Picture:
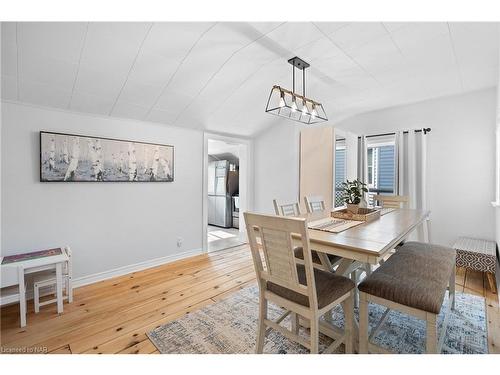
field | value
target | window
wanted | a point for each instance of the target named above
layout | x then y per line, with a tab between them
381	165
340	169
372	167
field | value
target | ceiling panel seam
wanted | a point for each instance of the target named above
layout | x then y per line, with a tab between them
84	42
347	54
222	66
178	67
455	56
131	68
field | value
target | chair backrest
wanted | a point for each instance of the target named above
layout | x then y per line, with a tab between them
314	204
392	201
274	234
288	209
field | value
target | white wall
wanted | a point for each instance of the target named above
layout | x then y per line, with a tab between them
276	161
461	151
108	225
277	164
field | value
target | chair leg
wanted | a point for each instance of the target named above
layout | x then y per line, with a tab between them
348	307
69	289
452	287
314	329
363	323
431	341
261	330
36	298
295	323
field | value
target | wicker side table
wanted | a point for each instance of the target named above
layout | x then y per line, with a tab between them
478	255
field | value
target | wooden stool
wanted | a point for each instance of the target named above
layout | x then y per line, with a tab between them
478	255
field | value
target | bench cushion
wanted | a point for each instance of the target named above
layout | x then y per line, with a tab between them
417	276
329	287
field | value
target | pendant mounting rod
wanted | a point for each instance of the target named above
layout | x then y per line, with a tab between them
300	64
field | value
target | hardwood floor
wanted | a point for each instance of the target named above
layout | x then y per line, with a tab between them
113	316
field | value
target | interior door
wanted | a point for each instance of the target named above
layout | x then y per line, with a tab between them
316	164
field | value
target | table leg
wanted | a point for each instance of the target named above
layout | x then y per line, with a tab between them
354	278
344	267
59	288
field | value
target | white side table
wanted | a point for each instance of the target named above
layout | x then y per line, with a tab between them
36	265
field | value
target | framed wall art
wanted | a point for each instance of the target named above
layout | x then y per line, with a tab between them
78	158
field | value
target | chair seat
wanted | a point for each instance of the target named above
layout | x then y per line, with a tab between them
299	253
417	276
329	287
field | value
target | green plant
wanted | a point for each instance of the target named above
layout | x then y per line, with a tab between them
352	191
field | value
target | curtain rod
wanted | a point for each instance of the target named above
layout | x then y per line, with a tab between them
425	130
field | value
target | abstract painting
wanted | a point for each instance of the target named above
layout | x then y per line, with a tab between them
76	158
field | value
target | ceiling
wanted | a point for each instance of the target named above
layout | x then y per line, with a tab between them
217	76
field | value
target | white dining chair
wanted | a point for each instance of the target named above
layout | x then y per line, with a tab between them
286	209
299	289
392	201
314	204
13	289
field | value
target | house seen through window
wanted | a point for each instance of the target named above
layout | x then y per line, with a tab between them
381	165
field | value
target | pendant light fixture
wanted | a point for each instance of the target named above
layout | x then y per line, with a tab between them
289	104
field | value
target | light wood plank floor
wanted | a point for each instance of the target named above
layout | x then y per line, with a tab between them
113	316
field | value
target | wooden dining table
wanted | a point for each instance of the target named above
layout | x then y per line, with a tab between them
367	243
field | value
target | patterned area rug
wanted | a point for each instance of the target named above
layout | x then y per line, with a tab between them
229	327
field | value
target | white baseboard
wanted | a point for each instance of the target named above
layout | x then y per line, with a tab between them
120	271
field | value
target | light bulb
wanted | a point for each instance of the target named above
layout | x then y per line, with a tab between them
304	108
314	113
294	105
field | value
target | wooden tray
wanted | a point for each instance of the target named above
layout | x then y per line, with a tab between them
364	214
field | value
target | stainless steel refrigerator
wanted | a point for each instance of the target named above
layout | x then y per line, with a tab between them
222	185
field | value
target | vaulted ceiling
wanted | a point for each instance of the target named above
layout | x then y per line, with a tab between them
217	76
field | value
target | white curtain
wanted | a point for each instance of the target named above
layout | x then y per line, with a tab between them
411	172
363	163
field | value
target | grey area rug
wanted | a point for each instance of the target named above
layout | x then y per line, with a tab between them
229	327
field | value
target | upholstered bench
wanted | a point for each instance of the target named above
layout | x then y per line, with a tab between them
478	255
413	281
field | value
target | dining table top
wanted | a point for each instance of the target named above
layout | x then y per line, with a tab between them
368	241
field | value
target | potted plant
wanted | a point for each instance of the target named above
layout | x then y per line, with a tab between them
352	193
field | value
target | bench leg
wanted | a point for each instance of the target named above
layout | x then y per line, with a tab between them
431	341
348	307
363	323
492	282
295	322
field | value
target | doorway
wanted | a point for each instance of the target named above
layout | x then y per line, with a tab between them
225	192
